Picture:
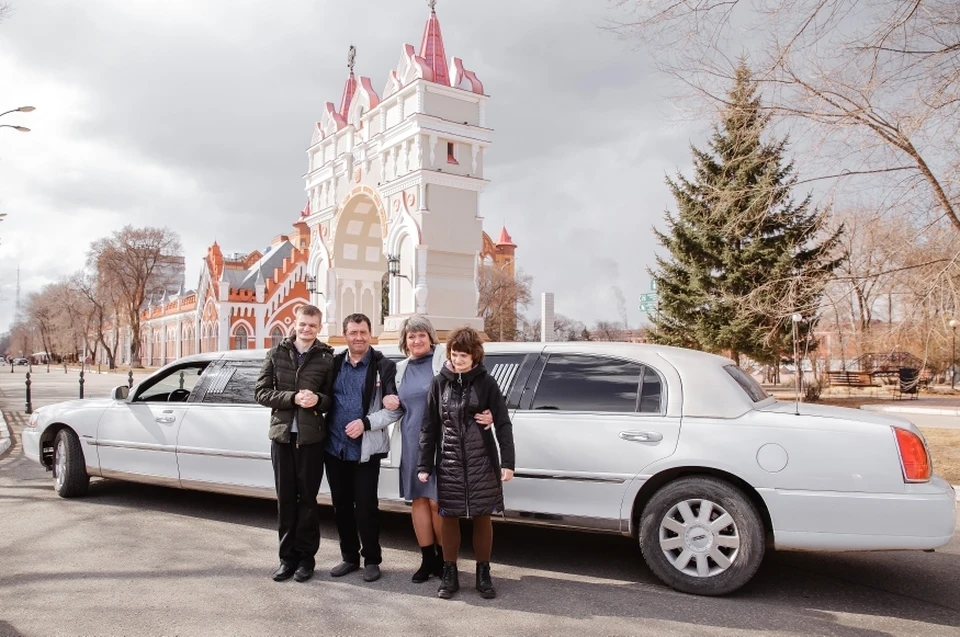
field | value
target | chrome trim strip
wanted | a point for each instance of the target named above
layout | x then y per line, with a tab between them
600	525
223	453
139	477
139	446
230	489
569	478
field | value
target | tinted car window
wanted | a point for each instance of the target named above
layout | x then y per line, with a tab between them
577	382
651	393
231	382
747	383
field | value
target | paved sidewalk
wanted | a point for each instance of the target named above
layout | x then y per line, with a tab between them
933	411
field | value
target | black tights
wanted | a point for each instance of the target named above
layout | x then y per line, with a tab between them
482	538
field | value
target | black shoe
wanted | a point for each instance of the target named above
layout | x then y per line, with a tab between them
427	565
304	572
344	568
450	583
284	572
484	583
371	572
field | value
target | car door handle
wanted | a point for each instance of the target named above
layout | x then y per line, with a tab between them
166	417
641	436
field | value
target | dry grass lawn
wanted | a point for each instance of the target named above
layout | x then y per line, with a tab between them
945	448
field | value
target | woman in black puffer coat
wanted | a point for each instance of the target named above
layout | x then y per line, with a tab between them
470	470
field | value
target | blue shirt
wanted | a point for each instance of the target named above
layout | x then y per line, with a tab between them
347	407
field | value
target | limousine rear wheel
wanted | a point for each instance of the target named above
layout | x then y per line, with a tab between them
702	535
70	477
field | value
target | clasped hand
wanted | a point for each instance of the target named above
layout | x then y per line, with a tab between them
306	398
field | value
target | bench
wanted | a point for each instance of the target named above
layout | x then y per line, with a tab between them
850	379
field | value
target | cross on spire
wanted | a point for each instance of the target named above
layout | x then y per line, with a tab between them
352	56
433	5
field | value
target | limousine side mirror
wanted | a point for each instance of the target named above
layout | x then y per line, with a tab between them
120	393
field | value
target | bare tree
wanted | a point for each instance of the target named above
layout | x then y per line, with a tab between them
608	331
878	83
502	297
138	262
5	11
42	314
105	307
564	329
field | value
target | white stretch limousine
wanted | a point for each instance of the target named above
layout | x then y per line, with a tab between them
679	449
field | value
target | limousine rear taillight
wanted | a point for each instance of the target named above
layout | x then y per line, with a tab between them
914	457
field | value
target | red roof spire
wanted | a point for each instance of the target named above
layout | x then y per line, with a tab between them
505	239
431	48
351	86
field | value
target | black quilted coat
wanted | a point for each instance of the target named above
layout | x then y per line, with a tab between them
462	452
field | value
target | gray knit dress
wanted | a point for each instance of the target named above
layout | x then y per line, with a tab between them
413	397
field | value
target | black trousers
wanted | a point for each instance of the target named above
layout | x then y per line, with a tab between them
356	506
297	473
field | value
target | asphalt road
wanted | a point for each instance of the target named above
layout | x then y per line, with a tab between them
139	560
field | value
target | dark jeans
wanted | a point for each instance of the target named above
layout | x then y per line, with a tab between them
297	473
353	489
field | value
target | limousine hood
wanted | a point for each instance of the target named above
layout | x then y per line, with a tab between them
49	412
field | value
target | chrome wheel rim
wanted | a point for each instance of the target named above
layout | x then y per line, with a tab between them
699	538
60	464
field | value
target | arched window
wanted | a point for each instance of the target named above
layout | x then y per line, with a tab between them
240	340
276	336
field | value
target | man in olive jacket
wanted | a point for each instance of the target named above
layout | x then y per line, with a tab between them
295	382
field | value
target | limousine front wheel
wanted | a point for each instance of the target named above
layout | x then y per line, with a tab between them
70	477
702	535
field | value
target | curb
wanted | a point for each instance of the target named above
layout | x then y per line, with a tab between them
927	411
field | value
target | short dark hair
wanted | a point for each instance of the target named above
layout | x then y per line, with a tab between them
309	310
468	341
357	318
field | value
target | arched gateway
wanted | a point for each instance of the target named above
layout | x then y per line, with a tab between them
397	179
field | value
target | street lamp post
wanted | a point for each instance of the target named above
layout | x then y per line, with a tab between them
22	109
953	353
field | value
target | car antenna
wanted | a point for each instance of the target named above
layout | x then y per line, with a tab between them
796	360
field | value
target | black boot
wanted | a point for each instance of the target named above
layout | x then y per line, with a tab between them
427	565
484	583
450	583
438	562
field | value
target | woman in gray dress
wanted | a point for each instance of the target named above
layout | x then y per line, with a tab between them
425	358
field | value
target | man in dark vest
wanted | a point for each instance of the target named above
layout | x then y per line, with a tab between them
295	382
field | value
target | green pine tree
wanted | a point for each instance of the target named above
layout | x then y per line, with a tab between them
743	257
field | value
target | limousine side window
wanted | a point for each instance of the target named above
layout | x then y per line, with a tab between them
580	382
230	383
174	387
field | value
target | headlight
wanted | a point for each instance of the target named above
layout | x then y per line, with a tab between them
34	418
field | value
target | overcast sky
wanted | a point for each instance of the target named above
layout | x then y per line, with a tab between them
196	114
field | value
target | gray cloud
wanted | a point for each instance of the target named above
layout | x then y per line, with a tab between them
196	116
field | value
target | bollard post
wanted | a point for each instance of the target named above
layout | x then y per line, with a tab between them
64	367
130	379
181	379
81	384
29	408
